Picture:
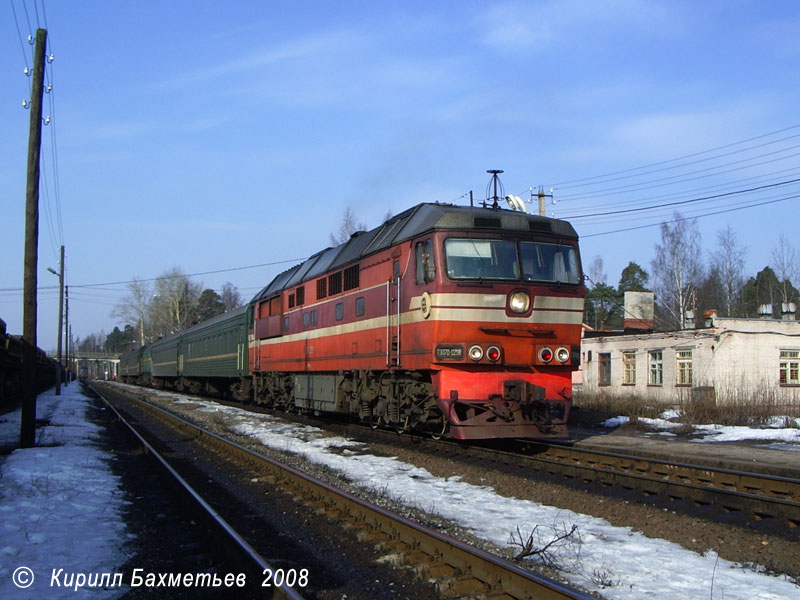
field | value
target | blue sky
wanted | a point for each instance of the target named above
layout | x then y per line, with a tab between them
213	136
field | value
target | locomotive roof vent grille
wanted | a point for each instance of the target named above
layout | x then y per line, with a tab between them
487	222
541	226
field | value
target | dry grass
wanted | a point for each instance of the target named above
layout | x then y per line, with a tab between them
730	405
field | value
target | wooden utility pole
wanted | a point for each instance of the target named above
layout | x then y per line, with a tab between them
28	424
68	331
60	318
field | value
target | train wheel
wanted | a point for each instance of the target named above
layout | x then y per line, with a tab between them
436	424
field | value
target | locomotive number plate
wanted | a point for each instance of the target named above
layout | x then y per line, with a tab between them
449	352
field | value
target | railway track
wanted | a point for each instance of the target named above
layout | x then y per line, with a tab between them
239	551
760	500
459	569
753	496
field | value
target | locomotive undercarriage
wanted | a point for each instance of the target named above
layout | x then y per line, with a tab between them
523	410
403	400
218	387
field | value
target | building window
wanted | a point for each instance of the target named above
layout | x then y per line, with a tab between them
603	368
360	306
629	368
683	367
656	374
790	367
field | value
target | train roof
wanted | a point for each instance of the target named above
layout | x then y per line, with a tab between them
228	314
407	225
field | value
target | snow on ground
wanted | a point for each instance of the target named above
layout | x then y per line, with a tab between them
60	504
60	508
636	566
784	430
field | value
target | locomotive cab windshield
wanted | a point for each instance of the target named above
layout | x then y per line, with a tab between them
509	260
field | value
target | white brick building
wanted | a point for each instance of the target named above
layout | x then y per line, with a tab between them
741	359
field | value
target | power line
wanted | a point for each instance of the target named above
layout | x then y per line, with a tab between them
645	185
728	185
690	201
719	212
94	285
671	160
19	34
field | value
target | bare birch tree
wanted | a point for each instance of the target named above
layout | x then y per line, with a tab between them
133	308
170	308
785	264
230	296
728	260
677	270
349	225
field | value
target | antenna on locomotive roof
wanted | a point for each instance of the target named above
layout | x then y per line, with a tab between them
494	183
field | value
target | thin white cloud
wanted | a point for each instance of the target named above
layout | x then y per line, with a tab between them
315	47
511	26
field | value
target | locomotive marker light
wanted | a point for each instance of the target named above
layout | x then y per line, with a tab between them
545	355
519	302
493	353
562	355
476	353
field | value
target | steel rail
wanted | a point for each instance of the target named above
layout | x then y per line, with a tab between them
251	561
468	570
764	496
753	496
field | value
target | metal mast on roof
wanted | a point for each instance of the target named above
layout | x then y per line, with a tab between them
494	183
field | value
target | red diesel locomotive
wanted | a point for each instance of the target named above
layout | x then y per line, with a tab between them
461	321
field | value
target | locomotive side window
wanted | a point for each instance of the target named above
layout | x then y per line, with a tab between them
426	268
481	259
334	283
275	305
549	262
351	278
360	306
339	311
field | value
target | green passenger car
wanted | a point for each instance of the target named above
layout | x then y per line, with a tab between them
210	357
165	355
216	348
135	366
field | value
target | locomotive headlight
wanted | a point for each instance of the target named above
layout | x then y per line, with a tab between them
519	302
562	355
475	353
545	355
